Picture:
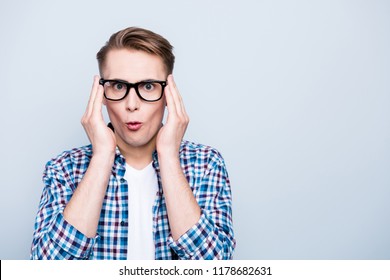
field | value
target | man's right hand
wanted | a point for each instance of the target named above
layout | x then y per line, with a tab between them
101	137
83	209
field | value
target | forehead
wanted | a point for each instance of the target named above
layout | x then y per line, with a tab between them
133	66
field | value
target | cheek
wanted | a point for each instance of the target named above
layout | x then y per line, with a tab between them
163	106
161	110
164	100
157	115
113	112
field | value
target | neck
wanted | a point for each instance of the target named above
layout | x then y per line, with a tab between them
138	157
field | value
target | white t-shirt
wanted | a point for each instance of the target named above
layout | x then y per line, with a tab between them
143	187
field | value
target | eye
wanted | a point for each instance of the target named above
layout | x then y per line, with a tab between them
148	86
118	86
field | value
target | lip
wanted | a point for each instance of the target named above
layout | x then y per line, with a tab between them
134	126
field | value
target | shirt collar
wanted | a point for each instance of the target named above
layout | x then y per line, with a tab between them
119	166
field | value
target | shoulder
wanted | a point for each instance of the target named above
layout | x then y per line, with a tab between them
200	153
78	156
67	169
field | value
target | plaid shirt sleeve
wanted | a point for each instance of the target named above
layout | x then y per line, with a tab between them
53	237
212	236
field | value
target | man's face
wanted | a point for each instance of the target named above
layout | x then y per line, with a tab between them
136	122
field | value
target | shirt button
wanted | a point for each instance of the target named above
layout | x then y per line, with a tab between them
122	223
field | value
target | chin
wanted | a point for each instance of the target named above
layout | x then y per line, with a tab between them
136	143
136	140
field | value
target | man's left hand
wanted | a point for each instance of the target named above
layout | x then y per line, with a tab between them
171	134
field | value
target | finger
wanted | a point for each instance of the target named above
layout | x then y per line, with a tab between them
174	94
170	102
98	103
92	96
176	97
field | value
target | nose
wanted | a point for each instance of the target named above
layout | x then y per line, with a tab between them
132	101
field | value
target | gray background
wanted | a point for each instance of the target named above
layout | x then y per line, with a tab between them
295	95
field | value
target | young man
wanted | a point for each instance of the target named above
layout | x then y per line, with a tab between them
138	191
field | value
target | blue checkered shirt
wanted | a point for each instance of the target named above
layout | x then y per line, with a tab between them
210	238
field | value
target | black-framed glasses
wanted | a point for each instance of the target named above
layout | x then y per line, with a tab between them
149	90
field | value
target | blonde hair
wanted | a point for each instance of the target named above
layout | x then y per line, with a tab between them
136	38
